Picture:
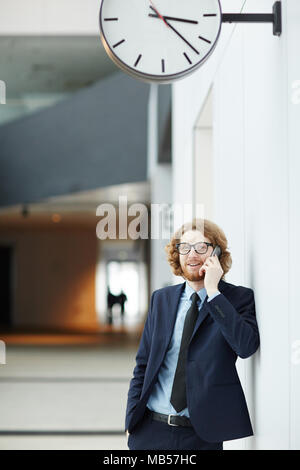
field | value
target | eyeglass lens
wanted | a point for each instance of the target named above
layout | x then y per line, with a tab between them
184	248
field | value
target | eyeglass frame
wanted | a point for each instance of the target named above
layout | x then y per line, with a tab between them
193	246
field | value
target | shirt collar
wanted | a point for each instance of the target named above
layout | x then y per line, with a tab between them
189	291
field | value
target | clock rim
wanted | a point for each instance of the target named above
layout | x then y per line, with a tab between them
149	77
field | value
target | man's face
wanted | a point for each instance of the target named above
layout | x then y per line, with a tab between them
192	262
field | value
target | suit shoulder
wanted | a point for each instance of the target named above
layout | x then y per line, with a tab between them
166	289
246	290
233	288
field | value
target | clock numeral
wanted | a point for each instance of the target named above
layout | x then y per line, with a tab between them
137	60
111	19
187	57
163	65
210	14
118	43
203	39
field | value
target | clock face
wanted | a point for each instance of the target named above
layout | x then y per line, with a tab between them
159	40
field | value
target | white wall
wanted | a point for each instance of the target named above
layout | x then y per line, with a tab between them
160	176
203	161
189	96
256	145
292	23
161	193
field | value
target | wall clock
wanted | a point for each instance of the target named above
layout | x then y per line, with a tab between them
165	40
159	40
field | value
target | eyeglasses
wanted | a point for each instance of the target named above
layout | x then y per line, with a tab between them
200	248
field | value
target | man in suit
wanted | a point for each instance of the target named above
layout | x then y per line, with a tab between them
185	392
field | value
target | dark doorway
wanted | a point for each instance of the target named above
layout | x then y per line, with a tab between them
6	253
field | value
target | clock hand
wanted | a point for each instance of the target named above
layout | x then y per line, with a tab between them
174	19
157	12
177	32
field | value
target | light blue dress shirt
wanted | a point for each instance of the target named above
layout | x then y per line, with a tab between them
159	399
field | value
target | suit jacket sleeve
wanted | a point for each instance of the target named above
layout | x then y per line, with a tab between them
237	324
136	383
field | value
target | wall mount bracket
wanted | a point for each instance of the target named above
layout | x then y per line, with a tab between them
275	18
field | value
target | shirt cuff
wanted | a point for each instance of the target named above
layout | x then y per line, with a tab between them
213	296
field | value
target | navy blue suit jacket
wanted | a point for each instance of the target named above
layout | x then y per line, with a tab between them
226	328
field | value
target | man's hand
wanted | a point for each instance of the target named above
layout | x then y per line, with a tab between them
213	273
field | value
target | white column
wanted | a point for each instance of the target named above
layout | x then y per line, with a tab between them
256	120
160	176
290	313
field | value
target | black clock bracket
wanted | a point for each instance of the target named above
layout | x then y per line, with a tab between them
274	18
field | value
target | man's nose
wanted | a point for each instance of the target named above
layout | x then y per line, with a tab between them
191	252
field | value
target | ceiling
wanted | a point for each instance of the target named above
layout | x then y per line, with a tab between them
41	70
81	204
38	72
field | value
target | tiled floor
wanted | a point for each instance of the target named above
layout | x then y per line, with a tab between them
74	385
63	443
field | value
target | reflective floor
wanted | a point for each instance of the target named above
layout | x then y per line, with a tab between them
66	391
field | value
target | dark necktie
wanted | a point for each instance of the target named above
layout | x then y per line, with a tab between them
178	395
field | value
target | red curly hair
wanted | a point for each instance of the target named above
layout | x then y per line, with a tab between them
211	231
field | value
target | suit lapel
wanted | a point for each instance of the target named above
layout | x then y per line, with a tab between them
201	317
173	298
204	309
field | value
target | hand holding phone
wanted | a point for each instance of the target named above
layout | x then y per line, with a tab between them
216	251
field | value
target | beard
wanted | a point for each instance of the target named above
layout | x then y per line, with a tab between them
193	277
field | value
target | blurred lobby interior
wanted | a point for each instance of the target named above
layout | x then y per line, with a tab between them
74	137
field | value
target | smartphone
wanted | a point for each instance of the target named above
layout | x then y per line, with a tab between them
217	251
